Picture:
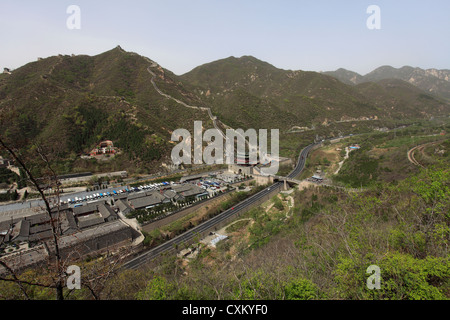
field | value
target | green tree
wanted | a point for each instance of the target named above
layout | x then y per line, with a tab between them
403	277
157	289
301	289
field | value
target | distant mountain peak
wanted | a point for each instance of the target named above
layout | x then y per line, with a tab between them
116	50
433	81
344	75
249	58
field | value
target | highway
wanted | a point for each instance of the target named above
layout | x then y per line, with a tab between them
186	237
301	161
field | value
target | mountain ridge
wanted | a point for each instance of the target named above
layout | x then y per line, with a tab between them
296	97
432	80
69	103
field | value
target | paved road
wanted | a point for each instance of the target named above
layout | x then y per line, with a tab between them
301	161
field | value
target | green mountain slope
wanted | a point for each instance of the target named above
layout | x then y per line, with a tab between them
248	92
433	81
68	104
399	98
345	76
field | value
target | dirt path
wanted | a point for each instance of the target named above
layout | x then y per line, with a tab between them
347	151
291	203
269	207
223	230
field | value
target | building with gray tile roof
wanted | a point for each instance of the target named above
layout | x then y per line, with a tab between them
120	196
123	206
194	177
187	190
107	212
181	187
173	196
152	199
136	195
21	231
90	220
38	227
86	209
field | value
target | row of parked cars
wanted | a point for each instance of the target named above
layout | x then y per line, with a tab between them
152	186
206	184
95	196
79	200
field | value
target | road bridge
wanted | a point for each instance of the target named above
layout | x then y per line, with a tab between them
286	181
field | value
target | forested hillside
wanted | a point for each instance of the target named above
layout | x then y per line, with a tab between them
317	242
66	105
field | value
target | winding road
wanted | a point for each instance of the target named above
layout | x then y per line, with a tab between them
411	152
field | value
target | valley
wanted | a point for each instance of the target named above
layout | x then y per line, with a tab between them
364	181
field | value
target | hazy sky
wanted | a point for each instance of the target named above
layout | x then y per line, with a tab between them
313	35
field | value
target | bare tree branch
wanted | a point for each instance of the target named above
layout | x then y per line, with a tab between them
60	272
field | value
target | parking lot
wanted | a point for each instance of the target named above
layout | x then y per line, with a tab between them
107	194
211	184
75	199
